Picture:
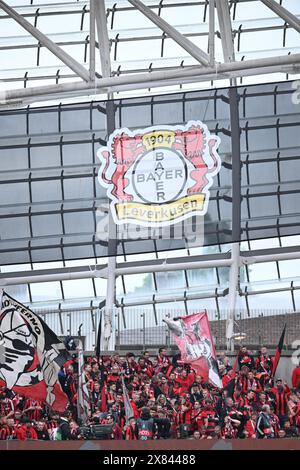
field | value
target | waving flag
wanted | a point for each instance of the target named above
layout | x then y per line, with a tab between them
278	351
83	399
194	340
127	405
31	355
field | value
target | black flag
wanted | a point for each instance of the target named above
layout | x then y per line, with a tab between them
278	351
98	345
31	355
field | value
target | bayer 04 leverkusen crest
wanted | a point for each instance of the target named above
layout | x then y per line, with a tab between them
159	175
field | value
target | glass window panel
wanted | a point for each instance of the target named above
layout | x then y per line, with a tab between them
290	136
79	121
76	188
9	124
45	156
289	268
77	154
167	281
200	277
48	224
13	158
119	286
45	291
50	24
86	223
43	122
276	302
19	292
100	285
139	284
46	190
262	271
77	288
14	193
136	116
268	40
263	173
17	227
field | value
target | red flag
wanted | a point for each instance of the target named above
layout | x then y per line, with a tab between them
278	351
31	355
194	340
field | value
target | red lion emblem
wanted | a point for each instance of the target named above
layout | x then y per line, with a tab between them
125	150
191	144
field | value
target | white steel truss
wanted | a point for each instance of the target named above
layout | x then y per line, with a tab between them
107	80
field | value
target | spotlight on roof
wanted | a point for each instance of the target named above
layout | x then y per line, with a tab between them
239	336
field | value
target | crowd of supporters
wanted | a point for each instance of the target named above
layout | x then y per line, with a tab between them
164	399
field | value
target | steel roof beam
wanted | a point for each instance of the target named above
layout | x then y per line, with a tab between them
45	41
103	40
285	14
153	79
92	42
188	263
225	30
185	43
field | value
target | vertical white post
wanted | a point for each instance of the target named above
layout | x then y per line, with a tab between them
108	330
92	50
233	290
211	35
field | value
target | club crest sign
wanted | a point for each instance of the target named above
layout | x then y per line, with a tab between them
160	175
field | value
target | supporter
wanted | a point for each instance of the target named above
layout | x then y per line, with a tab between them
245	358
162	360
196	394
130	431
196	435
64	426
146	357
167	399
41	431
250	426
290	431
26	430
281	394
296	377
33	409
147	426
264	425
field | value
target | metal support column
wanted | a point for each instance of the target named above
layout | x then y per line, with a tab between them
92	48
109	336
103	40
234	276
211	35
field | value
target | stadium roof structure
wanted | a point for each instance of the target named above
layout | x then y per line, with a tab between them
71	49
81	57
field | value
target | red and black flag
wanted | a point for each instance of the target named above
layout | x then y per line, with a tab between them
278	351
31	355
194	340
